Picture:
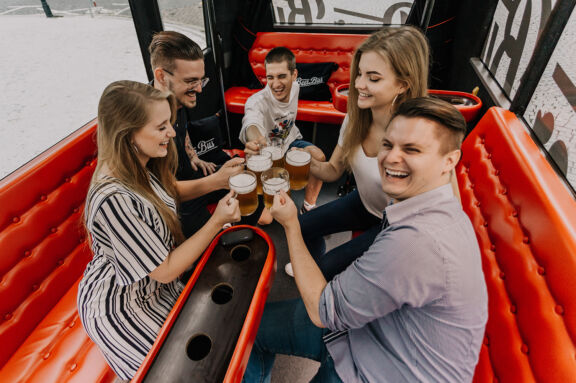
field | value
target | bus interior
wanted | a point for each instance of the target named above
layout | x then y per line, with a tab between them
501	63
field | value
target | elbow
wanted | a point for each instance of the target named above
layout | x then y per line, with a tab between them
163	274
317	322
165	279
315	318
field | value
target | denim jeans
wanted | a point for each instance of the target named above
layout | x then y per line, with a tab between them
343	214
286	329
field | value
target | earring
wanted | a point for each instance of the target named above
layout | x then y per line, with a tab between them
135	148
394	101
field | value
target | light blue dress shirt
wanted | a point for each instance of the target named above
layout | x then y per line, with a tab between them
414	306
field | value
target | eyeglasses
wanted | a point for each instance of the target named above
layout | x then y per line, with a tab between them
193	83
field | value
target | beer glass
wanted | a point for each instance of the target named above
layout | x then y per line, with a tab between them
258	163
298	165
275	146
274	180
244	185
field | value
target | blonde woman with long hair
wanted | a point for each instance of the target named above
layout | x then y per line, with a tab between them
388	68
131	284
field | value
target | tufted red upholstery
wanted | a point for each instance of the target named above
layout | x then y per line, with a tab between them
525	221
314	48
44	253
308	48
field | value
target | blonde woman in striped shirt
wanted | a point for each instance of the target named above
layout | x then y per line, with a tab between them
131	284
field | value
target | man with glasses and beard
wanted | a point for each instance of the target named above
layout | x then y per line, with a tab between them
178	66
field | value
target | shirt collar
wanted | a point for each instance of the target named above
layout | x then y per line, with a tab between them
399	210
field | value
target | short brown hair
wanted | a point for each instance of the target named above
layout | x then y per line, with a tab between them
279	55
441	112
167	46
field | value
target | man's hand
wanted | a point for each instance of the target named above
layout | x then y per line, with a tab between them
229	169
254	146
207	167
283	210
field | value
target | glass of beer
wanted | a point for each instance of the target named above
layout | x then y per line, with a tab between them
298	165
244	185
259	163
276	148
274	180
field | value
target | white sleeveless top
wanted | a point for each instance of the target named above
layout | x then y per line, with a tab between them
367	175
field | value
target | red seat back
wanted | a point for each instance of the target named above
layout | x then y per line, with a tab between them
525	221
42	239
308	48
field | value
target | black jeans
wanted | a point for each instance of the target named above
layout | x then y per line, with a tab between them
343	214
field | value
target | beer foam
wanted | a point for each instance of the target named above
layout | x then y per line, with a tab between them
274	185
243	183
297	157
258	163
274	151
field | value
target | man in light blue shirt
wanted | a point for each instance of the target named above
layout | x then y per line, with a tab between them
414	306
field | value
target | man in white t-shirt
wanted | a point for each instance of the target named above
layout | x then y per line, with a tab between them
272	113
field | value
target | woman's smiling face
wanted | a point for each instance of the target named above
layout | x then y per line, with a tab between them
376	82
151	141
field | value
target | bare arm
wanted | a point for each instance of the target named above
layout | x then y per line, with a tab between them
182	257
254	140
309	278
195	161
189	148
329	171
191	189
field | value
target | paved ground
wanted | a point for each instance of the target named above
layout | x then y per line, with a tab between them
173	11
55	69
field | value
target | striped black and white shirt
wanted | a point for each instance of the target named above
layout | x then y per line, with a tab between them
121	307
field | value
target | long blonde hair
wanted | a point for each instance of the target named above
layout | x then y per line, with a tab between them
122	111
406	50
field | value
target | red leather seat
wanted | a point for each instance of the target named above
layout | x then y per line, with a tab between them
58	350
44	253
525	221
317	48
308	48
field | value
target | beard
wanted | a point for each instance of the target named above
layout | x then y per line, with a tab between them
183	98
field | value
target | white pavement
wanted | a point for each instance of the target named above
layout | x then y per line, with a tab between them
53	73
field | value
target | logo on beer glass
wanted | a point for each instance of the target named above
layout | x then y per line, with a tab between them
275	146
298	165
259	163
274	180
244	185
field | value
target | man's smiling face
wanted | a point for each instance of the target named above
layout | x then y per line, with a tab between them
411	160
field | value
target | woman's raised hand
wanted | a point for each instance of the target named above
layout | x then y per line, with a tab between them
228	210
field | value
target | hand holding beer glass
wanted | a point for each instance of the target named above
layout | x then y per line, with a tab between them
274	180
298	165
258	163
275	146
244	185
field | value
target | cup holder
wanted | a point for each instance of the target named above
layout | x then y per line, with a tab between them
222	293
199	347
455	99
240	253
